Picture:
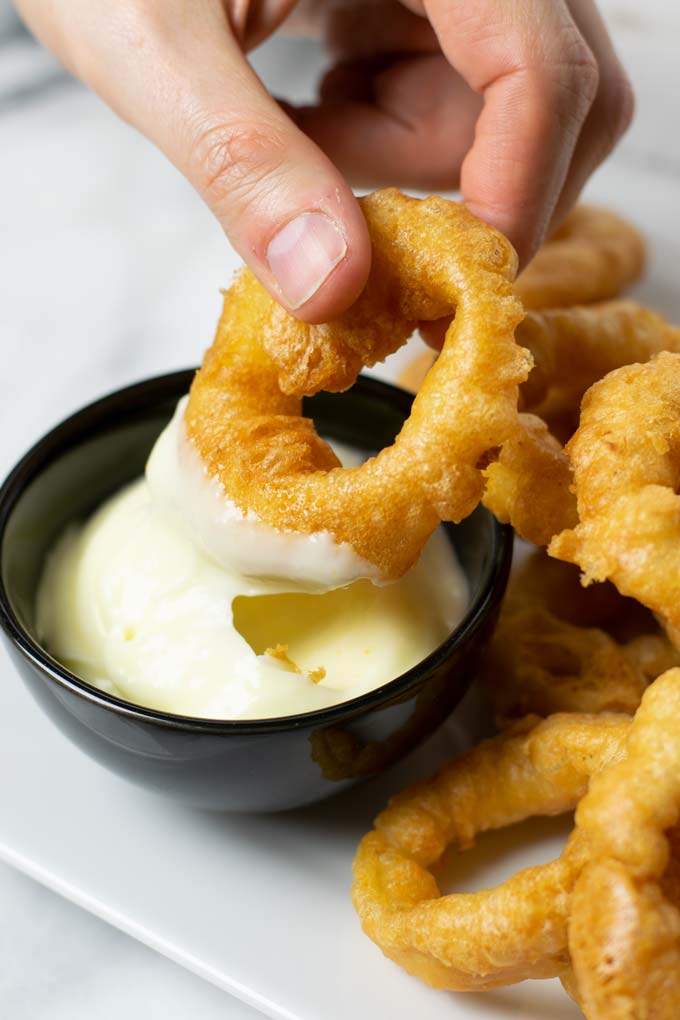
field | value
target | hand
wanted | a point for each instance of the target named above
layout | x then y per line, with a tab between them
516	101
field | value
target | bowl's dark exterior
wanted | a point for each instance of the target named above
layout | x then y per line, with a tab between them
238	766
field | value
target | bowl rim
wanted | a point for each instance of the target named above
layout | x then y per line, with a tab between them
57	440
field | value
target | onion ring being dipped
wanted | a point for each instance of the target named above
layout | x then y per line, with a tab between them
573	348
626	461
528	484
593	256
624	931
430	258
496	936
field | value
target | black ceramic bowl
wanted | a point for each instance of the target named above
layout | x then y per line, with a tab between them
253	765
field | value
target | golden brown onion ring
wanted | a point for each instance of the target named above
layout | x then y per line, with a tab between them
429	257
528	485
626	461
574	347
624	931
496	936
559	647
593	256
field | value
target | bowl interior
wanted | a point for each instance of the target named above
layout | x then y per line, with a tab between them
91	455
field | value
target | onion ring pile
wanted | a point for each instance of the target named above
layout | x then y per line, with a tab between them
624	929
626	461
529	483
497	936
605	915
593	256
244	411
547	919
559	647
575	347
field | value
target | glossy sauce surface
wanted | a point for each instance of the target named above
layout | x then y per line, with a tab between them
132	603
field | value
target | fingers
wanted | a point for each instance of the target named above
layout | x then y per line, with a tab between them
406	122
611	112
359	30
177	73
283	204
285	207
539	79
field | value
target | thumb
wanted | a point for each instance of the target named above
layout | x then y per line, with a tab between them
284	206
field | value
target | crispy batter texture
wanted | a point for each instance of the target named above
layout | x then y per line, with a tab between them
496	936
624	932
574	347
593	256
430	257
626	461
529	484
559	647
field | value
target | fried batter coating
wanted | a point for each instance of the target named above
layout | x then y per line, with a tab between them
559	647
593	256
624	931
248	429
496	936
529	484
626	461
574	347
427	257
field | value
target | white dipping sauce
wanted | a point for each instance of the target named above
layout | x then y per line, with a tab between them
133	604
238	541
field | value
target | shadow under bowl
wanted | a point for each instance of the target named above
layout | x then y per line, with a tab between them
250	765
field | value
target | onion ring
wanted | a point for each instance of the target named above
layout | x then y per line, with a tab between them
529	483
497	936
624	931
626	461
557	647
575	347
593	256
429	257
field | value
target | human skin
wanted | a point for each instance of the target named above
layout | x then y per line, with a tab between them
514	101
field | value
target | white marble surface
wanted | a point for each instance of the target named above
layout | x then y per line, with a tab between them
109	271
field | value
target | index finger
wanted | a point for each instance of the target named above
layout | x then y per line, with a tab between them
538	78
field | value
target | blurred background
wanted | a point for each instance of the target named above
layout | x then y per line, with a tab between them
110	270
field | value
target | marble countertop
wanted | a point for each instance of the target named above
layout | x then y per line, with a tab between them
111	269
